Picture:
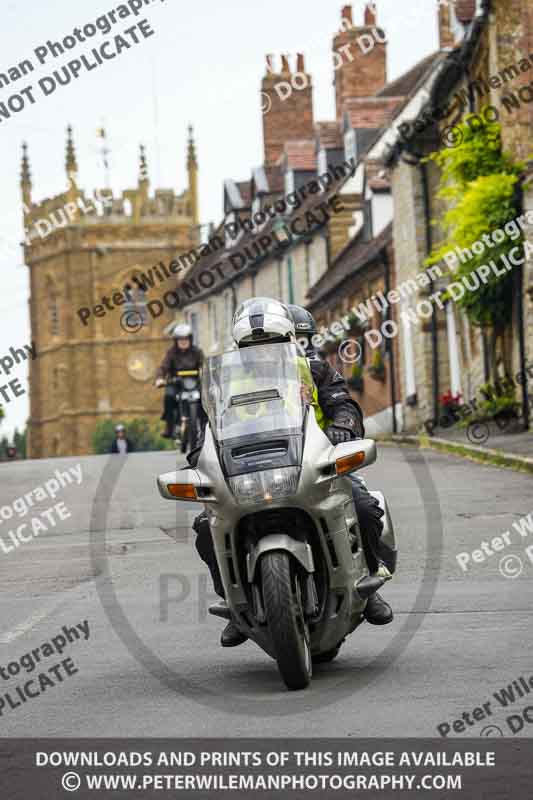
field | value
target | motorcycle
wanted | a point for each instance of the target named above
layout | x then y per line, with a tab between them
280	508
188	408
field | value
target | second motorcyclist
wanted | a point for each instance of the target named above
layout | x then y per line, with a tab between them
183	355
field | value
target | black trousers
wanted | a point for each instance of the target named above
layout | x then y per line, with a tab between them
169	404
368	512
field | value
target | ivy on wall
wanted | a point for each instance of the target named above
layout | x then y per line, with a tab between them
478	181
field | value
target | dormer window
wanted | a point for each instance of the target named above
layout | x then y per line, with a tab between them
232	230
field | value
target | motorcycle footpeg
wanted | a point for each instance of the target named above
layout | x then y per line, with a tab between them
220	610
369	585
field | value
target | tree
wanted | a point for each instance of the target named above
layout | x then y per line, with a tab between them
144	435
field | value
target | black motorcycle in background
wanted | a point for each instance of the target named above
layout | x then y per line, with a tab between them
188	419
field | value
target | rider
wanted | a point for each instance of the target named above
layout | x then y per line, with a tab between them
260	321
183	355
379	558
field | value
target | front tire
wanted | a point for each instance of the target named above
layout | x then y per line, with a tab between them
282	600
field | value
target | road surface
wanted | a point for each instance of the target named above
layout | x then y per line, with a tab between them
123	564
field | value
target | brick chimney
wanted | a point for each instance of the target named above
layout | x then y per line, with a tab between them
287	105
446	36
359	57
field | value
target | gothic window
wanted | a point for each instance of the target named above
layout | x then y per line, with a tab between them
53	308
136	302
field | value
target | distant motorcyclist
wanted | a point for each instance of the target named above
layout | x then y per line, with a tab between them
183	355
261	321
121	444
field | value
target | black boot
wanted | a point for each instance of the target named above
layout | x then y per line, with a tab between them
168	433
232	636
377	611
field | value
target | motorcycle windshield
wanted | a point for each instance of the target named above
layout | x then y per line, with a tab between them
256	390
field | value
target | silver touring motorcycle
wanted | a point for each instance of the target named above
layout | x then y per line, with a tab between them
280	508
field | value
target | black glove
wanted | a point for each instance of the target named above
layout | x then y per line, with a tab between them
337	435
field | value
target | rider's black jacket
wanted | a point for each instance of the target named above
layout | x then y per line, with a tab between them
177	359
333	397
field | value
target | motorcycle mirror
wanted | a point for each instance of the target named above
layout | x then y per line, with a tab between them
351	456
182	485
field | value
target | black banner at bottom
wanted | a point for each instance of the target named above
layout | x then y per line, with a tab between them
492	769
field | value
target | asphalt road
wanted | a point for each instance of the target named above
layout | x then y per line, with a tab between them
155	668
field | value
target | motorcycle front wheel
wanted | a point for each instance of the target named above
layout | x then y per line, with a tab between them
288	629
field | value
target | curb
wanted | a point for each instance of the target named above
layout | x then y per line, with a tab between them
485	455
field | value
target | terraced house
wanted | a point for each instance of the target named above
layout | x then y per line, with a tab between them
364	181
449	352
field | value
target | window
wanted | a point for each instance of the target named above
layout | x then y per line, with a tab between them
193	322
53	308
136	303
213	323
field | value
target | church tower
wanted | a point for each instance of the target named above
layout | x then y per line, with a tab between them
83	252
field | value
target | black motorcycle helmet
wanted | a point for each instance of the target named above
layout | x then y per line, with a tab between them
305	328
304	322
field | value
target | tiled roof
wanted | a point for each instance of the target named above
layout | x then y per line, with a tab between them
371	112
356	255
276	182
329	134
407	83
248	239
299	154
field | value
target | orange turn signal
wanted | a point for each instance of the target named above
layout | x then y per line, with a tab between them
182	491
349	463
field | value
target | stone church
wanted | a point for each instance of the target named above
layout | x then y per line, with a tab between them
83	251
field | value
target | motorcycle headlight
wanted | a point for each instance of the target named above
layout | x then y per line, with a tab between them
189	384
272	484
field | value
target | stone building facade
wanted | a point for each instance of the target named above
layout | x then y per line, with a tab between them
80	250
448	352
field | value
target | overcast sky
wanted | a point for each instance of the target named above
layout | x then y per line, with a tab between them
203	66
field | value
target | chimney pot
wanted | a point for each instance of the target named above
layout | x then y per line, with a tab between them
347	14
285	64
270	63
370	14
300	64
